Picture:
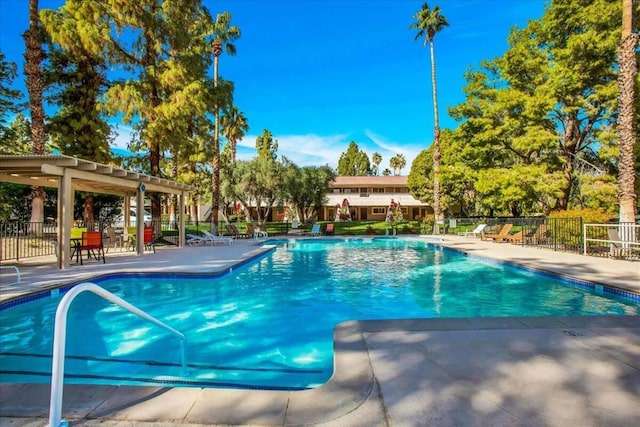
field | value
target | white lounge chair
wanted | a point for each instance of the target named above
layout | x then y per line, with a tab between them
216	240
475	232
193	240
622	248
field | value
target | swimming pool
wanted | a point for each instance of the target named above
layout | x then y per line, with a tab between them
269	323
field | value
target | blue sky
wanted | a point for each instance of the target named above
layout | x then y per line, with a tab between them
322	73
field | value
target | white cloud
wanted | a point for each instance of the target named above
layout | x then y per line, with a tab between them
123	137
311	149
318	150
303	150
388	149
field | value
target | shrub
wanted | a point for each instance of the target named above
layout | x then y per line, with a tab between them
597	216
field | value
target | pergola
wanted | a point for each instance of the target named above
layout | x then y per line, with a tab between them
70	174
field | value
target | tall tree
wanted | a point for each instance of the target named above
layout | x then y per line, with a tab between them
626	80
8	96
78	69
544	104
428	23
307	188
376	159
34	56
167	51
16	139
234	126
224	34
266	145
401	162
394	164
258	183
354	162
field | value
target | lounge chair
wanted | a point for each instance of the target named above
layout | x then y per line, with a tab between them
502	236
253	231
540	236
475	232
232	230
515	239
329	231
212	239
315	230
621	248
295	227
193	240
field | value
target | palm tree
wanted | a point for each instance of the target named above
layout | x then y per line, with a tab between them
394	163
402	162
428	23
234	125
225	33
34	54
376	159
626	135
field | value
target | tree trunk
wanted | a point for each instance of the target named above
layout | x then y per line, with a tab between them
626	135
436	146
34	55
215	159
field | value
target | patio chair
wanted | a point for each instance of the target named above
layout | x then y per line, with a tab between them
315	230
92	243
232	230
475	232
76	240
113	240
295	227
329	231
540	236
253	231
621	248
212	239
193	240
499	237
149	241
517	238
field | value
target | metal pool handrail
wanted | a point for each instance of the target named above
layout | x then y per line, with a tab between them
18	277
60	337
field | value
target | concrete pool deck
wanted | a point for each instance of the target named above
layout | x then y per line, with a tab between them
534	371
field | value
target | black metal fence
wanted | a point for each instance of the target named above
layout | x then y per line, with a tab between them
558	234
20	240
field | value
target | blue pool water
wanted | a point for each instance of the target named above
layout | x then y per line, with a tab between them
269	324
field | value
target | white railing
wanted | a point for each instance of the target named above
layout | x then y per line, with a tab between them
18	277
60	337
623	238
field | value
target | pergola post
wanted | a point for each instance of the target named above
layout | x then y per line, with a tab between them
65	219
140	219
181	233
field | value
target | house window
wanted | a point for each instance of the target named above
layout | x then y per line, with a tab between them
405	211
402	190
336	191
378	211
350	190
377	190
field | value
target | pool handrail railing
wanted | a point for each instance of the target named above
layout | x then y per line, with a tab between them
60	337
